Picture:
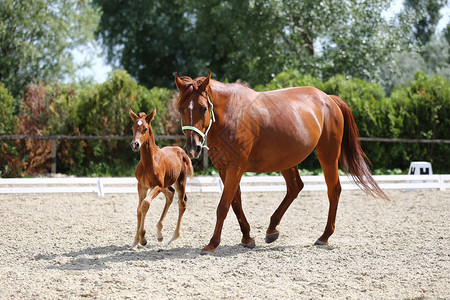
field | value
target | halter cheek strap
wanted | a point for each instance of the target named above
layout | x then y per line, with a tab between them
211	120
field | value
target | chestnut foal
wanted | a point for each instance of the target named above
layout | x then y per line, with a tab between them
157	170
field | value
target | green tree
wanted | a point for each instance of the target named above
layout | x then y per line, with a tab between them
250	40
428	15
150	39
37	37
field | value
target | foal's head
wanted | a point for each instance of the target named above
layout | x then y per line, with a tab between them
196	111
142	130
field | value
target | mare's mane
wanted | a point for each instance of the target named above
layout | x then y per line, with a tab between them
192	85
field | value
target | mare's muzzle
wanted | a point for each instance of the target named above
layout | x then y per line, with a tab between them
193	148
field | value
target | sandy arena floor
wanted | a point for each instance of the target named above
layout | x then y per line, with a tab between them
77	246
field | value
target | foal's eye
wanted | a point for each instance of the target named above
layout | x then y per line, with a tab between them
145	129
180	111
203	110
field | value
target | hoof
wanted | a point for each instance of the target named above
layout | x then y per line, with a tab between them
250	244
205	252
160	239
320	243
272	237
143	242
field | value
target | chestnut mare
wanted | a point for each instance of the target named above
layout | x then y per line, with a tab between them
266	132
157	170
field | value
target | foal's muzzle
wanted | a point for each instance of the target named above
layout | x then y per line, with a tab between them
135	146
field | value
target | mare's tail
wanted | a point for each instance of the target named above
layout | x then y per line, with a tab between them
353	159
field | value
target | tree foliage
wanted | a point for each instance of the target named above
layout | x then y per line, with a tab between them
37	37
428	15
251	40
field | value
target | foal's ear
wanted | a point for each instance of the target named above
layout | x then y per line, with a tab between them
180	84
133	115
151	116
205	83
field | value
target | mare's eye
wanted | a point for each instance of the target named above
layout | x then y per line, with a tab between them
203	110
180	111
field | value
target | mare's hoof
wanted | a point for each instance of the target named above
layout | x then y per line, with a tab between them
320	243
323	245
250	244
143	242
205	252
272	237
160	239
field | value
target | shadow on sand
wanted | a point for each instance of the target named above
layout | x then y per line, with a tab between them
97	258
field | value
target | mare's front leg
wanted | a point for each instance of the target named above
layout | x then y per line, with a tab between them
231	184
169	192
142	212
142	191
246	241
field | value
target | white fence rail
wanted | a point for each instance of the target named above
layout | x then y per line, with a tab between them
208	184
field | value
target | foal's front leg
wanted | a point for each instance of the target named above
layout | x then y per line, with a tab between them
142	212
142	191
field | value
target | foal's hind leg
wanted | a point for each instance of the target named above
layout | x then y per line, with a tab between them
180	186
169	192
294	185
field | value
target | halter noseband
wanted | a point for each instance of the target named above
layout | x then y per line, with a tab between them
211	120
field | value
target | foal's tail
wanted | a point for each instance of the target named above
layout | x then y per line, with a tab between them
187	160
353	159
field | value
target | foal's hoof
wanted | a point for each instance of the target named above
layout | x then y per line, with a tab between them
272	237
251	244
160	239
143	242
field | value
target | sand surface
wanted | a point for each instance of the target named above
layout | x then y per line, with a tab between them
73	246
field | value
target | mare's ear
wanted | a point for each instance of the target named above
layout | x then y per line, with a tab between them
180	84
205	83
133	115
151	116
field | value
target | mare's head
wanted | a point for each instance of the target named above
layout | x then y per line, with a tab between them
196	111
142	130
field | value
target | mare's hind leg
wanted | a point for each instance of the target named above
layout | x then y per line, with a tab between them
294	185
142	191
180	186
329	161
246	241
168	192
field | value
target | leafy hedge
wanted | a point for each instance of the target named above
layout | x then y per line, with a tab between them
95	109
418	110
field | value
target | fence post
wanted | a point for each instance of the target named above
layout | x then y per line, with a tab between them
205	159
53	161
